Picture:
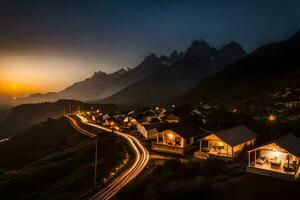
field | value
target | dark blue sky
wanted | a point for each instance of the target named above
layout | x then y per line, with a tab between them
111	34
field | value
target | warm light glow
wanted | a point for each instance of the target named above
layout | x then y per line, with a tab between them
13	89
220	144
170	136
14	86
26	74
272	118
276	154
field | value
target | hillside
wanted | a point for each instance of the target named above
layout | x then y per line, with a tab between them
267	69
197	63
52	160
21	117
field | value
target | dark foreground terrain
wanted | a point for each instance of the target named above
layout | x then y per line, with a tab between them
211	179
51	160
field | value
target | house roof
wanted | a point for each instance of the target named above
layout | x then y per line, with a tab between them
291	143
184	130
152	131
149	113
236	135
172	117
153	125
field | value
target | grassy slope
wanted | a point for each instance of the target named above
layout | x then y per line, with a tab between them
53	161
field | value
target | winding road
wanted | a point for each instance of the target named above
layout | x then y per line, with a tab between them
141	160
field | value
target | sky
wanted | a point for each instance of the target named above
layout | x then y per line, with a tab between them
48	45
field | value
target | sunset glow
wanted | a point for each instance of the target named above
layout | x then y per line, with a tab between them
25	74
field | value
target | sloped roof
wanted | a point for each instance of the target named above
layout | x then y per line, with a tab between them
184	130
152	125
152	131
236	135
149	113
172	117
291	143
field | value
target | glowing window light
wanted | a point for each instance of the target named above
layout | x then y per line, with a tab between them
276	154
170	136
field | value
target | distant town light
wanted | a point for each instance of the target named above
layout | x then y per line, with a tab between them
272	118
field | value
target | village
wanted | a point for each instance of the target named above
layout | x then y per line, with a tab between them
190	133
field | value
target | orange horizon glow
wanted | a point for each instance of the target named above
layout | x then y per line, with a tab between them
22	75
14	89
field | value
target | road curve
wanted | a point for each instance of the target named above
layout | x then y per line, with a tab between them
141	160
75	125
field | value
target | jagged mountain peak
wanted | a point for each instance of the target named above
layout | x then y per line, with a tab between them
232	49
119	72
150	60
152	56
199	50
164	58
173	54
232	46
197	45
99	74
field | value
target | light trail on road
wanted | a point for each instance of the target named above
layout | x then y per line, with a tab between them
75	125
141	160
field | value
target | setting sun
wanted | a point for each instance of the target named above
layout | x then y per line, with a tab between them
14	89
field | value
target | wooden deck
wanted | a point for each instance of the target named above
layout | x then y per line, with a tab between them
206	155
170	149
201	155
275	173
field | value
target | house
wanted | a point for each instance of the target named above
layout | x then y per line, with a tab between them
129	122
226	143
149	115
278	159
105	116
172	119
176	138
149	130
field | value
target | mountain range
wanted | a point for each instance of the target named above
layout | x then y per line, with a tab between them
267	69
202	73
102	85
198	62
155	79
